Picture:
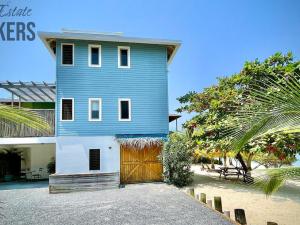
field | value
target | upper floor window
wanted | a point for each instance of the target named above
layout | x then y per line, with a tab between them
94	159
67	54
95	105
67	109
124	109
94	55
124	57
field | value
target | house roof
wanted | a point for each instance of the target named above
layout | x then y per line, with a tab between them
49	39
31	91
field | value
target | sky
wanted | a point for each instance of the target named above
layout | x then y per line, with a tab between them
217	36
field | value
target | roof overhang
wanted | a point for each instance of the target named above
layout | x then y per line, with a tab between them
173	117
49	39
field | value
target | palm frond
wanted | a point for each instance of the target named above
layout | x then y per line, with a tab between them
23	116
275	108
275	178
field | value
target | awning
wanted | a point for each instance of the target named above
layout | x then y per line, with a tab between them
173	117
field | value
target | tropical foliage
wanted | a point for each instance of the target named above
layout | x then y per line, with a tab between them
274	178
22	116
214	127
177	160
255	114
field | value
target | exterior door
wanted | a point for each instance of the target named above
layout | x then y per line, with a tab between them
140	165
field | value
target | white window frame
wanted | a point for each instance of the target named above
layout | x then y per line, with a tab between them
90	109
90	55
73	111
119	56
129	107
61	53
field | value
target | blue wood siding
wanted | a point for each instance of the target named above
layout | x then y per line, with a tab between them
145	83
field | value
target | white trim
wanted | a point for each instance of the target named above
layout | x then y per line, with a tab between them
90	109
73	111
129	108
173	54
119	56
27	140
61	54
90	55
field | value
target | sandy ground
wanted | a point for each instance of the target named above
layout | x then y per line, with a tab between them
282	208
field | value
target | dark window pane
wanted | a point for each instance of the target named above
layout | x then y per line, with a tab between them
124	110
95	56
94	159
67	57
124	57
67	105
95	114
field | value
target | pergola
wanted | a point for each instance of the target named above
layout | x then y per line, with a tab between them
30	91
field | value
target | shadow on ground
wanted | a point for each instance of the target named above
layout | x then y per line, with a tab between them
23	185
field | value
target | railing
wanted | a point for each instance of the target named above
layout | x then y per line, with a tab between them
9	129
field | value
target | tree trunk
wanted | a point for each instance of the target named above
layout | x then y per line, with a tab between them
213	163
225	160
240	159
249	160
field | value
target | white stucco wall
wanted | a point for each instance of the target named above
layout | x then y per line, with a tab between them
40	156
36	156
72	154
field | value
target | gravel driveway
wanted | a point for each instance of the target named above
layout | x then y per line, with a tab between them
154	203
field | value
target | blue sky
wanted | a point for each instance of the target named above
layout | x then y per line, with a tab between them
217	36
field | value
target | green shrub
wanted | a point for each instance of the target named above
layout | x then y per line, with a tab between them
177	160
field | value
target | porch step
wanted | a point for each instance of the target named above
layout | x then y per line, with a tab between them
83	182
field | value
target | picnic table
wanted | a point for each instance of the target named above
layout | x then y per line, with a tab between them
231	171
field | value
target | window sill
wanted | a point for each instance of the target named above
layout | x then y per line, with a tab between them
95	66
68	65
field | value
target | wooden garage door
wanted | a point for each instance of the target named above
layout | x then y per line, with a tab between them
140	165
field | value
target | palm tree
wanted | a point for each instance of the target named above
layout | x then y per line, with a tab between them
22	116
274	108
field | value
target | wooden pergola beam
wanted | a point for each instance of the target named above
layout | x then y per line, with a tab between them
15	86
41	90
32	91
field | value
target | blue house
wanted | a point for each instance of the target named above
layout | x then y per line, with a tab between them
111	110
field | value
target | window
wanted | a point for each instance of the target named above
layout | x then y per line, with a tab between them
123	57
95	105
94	159
124	109
67	109
94	55
67	54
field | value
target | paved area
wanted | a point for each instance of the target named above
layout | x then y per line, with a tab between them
23	185
155	203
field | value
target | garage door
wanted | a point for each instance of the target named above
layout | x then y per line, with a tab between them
140	165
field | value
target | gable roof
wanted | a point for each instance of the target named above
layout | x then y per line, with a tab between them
49	39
